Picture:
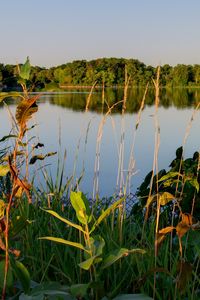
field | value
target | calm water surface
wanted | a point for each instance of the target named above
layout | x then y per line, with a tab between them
61	117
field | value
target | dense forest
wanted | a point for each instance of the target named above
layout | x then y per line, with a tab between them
110	71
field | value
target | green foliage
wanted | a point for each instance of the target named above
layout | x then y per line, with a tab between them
109	71
9	281
81	206
25	69
50	290
93	246
180	183
132	297
23	275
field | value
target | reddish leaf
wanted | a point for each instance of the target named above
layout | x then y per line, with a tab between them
181	229
24	111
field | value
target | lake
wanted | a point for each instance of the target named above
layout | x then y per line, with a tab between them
62	124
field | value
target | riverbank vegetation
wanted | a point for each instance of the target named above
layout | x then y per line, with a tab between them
106	71
57	244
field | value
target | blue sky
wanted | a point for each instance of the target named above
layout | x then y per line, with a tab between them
53	32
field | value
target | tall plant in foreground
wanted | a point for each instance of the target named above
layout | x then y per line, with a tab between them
14	183
94	258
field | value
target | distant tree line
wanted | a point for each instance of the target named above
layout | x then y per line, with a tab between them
110	71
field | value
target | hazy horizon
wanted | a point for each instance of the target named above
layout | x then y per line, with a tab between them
56	32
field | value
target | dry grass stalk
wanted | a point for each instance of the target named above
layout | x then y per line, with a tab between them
89	96
98	147
131	165
155	166
120	176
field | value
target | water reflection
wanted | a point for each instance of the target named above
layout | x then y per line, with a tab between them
76	99
179	98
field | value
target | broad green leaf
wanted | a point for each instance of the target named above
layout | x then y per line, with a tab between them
27	297
87	206
50	290
9	281
25	69
5	95
71	224
22	275
4	169
63	241
170	175
165	198
133	297
98	245
77	201
80	205
87	263
79	290
106	213
117	254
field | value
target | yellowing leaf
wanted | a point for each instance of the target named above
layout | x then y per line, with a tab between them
106	213
81	213
161	236
165	198
2	208
159	239
4	95
87	263
24	112
166	230
183	226
19	192
150	199
4	169
170	175
63	241
187	219
71	224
